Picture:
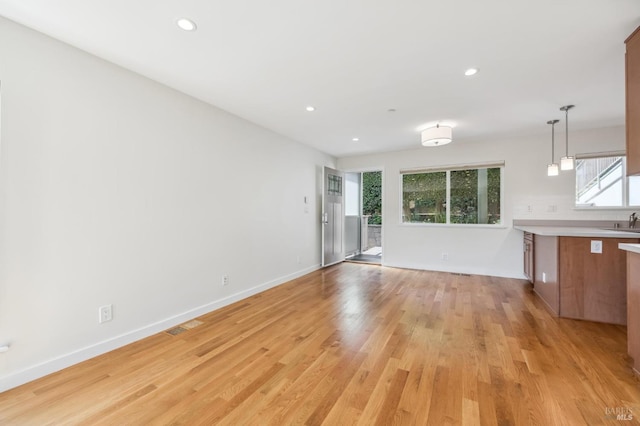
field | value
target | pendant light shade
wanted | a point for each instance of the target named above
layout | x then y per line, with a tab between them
567	162
437	136
552	168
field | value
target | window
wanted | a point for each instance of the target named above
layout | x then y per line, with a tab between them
459	195
601	182
335	185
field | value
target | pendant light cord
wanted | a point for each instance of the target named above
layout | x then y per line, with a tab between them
553	143
566	132
566	109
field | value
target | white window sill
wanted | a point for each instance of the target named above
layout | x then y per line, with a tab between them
454	225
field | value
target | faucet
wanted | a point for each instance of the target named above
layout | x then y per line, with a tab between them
632	220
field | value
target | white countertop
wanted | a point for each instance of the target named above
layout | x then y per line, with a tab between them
635	248
575	231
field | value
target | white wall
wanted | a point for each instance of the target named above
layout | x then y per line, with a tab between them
117	190
478	250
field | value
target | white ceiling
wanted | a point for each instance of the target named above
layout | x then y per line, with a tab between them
353	60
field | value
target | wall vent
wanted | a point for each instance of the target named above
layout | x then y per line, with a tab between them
176	330
184	327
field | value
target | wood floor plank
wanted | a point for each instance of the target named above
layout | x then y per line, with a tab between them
354	344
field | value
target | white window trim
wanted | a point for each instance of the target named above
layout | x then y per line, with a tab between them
625	182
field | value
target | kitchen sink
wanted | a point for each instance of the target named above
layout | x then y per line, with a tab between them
636	230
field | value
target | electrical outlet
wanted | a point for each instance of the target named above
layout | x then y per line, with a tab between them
596	246
298	259
445	256
225	280
105	313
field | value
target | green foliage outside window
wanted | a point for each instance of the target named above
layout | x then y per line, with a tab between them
474	196
372	196
424	197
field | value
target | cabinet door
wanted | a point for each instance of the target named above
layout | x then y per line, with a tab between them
633	314
593	285
632	60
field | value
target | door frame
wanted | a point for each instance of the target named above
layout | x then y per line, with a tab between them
382	199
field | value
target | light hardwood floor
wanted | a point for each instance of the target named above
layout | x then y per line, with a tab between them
355	344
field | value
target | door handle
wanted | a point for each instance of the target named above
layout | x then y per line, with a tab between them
325	218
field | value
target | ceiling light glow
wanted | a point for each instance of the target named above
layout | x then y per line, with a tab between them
310	108
355	139
471	71
186	24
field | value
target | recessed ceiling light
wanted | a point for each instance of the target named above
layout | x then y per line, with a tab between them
391	110
186	24
355	139
310	108
471	71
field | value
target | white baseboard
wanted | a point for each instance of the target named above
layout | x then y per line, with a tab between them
66	360
455	270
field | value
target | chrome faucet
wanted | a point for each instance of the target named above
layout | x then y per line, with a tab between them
632	220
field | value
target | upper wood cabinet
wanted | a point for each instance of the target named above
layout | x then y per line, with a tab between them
632	61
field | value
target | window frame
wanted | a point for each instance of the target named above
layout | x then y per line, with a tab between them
448	170
625	182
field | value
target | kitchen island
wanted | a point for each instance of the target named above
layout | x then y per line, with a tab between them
580	272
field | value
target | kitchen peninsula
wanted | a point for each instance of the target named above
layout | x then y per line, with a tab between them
577	268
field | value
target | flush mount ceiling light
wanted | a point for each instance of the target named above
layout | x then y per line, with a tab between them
566	162
186	24
310	108
355	139
552	168
471	71
437	136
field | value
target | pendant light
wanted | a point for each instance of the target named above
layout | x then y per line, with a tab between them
552	168
566	162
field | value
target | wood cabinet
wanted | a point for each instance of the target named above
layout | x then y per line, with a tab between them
575	283
632	73
633	315
545	270
593	286
528	256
